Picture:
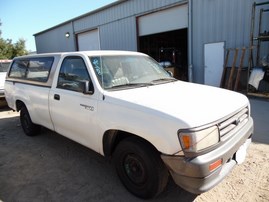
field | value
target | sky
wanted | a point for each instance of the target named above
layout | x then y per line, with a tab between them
24	18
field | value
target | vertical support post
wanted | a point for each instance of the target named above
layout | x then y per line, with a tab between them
230	82
252	31
239	69
250	49
223	78
259	42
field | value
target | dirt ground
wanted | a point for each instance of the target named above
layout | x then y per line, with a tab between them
49	167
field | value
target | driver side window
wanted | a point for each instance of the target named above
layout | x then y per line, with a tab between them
73	74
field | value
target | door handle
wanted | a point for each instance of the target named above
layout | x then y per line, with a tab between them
56	97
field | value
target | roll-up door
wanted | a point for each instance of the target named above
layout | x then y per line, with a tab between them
88	40
162	21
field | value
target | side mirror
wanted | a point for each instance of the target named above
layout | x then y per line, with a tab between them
88	88
170	73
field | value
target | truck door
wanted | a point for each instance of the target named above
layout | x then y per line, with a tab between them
74	113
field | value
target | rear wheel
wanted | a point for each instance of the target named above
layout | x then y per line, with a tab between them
140	168
28	126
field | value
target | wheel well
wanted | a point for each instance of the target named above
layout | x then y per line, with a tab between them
19	105
112	138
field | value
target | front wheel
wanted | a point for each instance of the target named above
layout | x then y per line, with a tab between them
28	126
140	168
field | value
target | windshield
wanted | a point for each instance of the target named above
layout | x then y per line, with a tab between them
125	71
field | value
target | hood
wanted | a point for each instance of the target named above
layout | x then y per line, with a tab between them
192	104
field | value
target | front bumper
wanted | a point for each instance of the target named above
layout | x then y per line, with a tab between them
2	93
193	174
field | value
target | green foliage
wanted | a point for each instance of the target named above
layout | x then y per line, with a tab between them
6	49
19	48
9	50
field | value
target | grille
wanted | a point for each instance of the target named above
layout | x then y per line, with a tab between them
233	123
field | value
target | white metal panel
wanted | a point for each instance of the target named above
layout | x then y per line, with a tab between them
88	40
214	60
163	21
119	35
2	80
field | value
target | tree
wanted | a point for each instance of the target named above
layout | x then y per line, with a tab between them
19	48
8	50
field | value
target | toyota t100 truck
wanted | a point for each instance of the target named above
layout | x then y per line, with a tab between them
124	105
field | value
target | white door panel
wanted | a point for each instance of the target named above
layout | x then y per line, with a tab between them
74	116
214	60
74	113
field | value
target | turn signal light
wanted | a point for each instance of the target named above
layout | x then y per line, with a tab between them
186	141
215	165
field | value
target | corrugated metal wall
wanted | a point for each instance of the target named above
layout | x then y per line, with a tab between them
54	40
217	21
119	35
212	21
116	24
126	9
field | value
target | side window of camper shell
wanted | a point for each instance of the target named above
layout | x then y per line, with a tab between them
34	69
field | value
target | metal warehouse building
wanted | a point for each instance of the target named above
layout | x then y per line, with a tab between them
182	33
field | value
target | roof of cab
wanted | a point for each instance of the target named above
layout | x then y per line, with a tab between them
87	53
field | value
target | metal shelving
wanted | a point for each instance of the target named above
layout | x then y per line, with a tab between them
263	36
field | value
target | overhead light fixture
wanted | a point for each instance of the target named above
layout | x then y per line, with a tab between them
67	34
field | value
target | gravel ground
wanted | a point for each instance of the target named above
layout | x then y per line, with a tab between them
50	167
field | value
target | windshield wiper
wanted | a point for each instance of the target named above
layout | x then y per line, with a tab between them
132	85
164	80
153	82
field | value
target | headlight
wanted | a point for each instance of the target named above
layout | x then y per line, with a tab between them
195	141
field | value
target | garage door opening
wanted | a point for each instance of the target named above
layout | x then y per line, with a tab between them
170	49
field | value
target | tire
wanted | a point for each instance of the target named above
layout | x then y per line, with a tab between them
28	126
140	168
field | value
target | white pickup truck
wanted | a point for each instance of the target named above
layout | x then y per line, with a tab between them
125	106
